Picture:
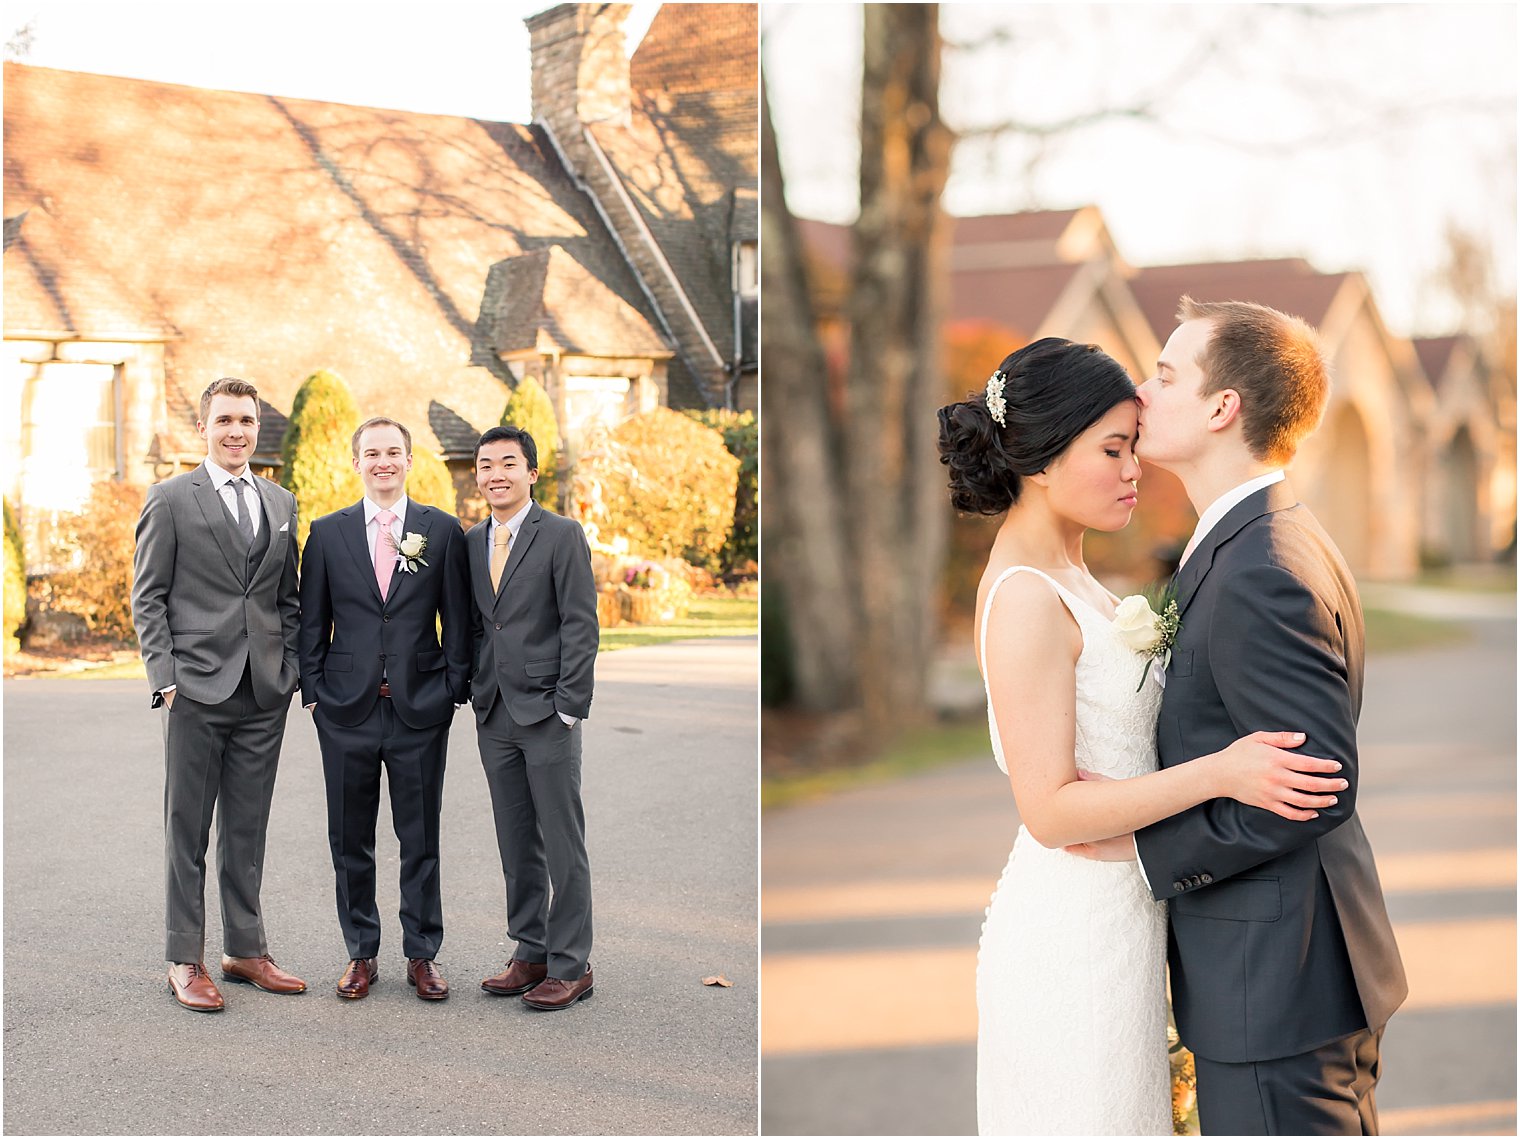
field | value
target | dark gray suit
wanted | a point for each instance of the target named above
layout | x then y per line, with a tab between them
1283	962
535	652
218	621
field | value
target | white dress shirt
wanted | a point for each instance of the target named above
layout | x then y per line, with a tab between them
1225	503
222	480
514	526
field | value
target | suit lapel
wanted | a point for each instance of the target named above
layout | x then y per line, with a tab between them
352	527
227	538
525	535
1278	496
272	521
419	520
480	558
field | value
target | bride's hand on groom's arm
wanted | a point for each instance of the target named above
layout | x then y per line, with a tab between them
1260	770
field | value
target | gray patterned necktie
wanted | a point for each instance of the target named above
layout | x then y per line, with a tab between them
244	519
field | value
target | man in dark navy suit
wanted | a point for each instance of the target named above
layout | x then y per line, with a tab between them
376	581
1284	969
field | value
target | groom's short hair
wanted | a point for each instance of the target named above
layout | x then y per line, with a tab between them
509	434
1274	361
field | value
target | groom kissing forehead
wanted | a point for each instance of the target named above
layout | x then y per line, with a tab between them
1284	968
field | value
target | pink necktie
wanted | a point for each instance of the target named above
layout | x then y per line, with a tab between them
385	552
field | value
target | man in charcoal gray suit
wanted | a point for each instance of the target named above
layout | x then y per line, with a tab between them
215	604
535	651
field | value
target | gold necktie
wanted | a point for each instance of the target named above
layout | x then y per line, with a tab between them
499	553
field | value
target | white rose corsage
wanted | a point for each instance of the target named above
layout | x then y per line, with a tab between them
1146	632
409	552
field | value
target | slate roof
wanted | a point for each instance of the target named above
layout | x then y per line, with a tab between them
266	238
689	156
1435	354
1290	285
1014	297
545	301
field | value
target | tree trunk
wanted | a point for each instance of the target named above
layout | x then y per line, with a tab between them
805	550
896	488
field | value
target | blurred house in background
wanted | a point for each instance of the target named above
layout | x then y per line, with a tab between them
159	236
1414	462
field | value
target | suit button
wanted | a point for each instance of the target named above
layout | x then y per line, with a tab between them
382	656
1207	878
387	617
498	625
1195	880
1179	886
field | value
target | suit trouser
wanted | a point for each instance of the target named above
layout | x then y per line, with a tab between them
413	759
534	773
218	758
1328	1091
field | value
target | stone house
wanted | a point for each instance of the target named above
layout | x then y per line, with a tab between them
159	236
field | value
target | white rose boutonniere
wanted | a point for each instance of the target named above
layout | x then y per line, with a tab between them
409	552
1147	632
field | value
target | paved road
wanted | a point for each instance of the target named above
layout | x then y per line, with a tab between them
94	1043
873	901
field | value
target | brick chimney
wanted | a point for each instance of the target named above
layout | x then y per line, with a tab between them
580	66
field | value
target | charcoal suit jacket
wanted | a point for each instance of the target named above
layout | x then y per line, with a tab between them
1279	937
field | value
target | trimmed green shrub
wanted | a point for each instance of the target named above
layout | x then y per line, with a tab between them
15	582
741	435
96	586
664	482
318	449
430	482
531	409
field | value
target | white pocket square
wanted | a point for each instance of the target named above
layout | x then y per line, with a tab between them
284	527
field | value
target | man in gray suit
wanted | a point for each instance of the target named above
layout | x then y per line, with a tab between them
215	602
535	651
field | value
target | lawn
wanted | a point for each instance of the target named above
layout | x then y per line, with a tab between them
914	750
1387	632
708	617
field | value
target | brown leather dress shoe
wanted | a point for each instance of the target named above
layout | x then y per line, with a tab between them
425	977
519	977
193	987
261	973
358	977
554	994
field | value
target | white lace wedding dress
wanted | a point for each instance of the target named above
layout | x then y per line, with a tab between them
1070	977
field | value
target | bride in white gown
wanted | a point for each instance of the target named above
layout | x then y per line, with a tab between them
1071	970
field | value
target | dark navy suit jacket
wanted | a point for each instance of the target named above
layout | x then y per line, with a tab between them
1279	938
351	637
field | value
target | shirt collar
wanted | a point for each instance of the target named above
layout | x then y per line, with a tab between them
513	524
220	476
370	510
1227	502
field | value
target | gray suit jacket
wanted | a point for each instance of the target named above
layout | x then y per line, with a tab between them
536	635
198	622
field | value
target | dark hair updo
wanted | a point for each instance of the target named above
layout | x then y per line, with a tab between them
1053	390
